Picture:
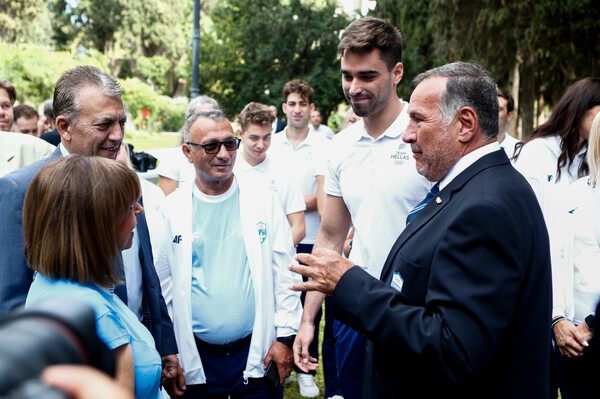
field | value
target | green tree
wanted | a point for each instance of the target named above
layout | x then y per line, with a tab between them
17	14
534	48
250	48
411	18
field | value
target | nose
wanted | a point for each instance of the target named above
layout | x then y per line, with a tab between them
355	87
117	132
410	134
223	153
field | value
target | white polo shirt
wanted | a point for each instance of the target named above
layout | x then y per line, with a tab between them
301	165
323	130
508	144
379	184
285	190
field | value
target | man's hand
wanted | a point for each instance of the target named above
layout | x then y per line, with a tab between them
324	269
570	341
304	338
283	357
172	377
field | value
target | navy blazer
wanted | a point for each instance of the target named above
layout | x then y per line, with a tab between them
463	307
16	276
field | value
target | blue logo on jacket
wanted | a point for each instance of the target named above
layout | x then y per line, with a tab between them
262	231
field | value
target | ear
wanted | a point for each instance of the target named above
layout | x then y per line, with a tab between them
469	124
63	125
312	107
240	133
284	108
510	115
397	72
187	151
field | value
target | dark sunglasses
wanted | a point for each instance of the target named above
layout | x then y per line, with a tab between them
215	146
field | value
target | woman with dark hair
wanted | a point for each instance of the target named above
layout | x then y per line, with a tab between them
79	214
555	152
576	280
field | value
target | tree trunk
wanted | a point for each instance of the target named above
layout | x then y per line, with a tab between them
514	80
527	95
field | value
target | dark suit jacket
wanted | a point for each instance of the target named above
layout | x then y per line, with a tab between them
16	277
52	137
280	125
473	314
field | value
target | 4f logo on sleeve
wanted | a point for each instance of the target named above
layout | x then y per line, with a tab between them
177	239
262	231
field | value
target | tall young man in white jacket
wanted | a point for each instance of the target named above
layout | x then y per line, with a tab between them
223	264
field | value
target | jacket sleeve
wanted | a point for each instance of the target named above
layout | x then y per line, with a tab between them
288	309
470	296
15	275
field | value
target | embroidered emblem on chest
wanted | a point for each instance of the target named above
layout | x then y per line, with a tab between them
262	231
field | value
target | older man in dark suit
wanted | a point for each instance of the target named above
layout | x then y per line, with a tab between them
90	118
462	308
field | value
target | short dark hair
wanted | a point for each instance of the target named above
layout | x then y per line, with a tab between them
25	111
256	113
66	92
10	89
366	34
69	217
301	87
469	84
510	103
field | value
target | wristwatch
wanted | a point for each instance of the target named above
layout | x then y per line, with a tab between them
590	322
287	341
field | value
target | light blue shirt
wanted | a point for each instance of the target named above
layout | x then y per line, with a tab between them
116	326
222	288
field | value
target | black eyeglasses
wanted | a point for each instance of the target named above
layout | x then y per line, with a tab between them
215	146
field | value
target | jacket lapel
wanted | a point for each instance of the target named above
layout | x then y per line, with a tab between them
440	201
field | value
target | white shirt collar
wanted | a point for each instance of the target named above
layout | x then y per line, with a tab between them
63	150
467	161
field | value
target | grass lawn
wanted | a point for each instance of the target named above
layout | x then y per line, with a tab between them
151	141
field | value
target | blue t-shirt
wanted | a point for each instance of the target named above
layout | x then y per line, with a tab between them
115	323
222	288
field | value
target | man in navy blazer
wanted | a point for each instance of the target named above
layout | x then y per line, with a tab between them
90	118
462	308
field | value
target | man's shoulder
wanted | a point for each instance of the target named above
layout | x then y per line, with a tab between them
349	135
22	177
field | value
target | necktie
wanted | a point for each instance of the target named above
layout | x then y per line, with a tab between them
432	193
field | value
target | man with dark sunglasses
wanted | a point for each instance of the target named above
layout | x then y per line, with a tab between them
223	264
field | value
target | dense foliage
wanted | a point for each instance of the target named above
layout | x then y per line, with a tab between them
250	48
536	49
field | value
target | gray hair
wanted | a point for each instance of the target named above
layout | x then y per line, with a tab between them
214	114
66	92
469	85
200	100
49	108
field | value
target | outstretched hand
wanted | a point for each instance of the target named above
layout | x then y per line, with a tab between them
323	267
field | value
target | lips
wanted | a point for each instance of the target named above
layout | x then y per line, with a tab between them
357	99
115	148
110	151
